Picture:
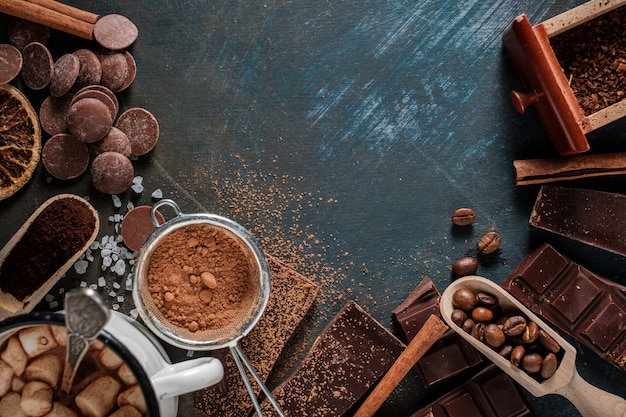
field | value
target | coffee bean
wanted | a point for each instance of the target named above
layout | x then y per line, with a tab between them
487	300
489	243
464	299
531	362
468	325
494	336
482	314
464	266
514	326
517	354
548	366
531	333
463	216
548	343
458	317
478	332
505	351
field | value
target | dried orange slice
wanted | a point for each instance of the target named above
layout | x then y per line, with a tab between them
20	140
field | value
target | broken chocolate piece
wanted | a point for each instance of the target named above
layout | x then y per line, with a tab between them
595	218
586	306
450	355
348	357
490	392
291	297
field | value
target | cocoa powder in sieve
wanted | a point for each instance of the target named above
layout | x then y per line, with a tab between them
201	278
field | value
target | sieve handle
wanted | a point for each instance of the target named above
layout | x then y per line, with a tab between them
187	376
160	203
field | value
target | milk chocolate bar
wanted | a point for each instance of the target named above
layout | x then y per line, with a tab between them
350	355
291	297
488	393
450	355
582	304
593	217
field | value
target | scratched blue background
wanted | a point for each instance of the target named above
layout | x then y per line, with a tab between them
375	118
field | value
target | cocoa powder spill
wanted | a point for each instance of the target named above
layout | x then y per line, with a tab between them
57	233
200	277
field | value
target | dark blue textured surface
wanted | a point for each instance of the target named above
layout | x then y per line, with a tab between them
379	118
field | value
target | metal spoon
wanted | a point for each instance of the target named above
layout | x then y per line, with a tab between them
85	316
588	399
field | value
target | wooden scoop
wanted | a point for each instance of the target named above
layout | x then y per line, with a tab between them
9	305
590	400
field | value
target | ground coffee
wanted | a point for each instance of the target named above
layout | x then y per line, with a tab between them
59	231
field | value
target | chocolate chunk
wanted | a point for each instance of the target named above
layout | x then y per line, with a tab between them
37	66
142	129
114	141
351	354
115	32
64	75
53	114
137	226
21	32
588	307
64	156
112	173
90	70
89	119
595	218
291	297
450	355
488	393
10	63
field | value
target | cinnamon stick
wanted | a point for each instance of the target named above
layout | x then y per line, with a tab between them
546	170
419	345
70	11
46	16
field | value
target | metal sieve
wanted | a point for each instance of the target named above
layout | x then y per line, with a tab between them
226	336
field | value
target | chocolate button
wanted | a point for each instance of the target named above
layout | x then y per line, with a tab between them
131	73
37	66
137	226
114	69
90	70
104	90
21	32
89	119
98	95
114	141
64	75
65	157
112	173
142	129
115	32
10	63
53	114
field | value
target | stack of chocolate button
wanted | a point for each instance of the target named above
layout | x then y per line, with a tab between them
81	112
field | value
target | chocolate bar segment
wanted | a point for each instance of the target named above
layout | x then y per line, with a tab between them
595	218
291	297
350	355
579	302
488	393
450	355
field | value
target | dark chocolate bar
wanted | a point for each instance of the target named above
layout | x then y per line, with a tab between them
291	297
595	218
350	355
490	392
582	304
450	355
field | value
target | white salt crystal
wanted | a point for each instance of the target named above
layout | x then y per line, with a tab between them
137	188
102	282
120	267
81	266
157	194
111	218
116	285
138	179
107	261
93	286
112	294
116	307
49	298
134	313
83	284
120	298
106	252
130	206
119	217
95	245
53	304
116	201
61	290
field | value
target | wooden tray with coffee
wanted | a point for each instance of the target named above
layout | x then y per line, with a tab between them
556	61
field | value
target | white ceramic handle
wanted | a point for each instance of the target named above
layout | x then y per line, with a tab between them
591	401
187	376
